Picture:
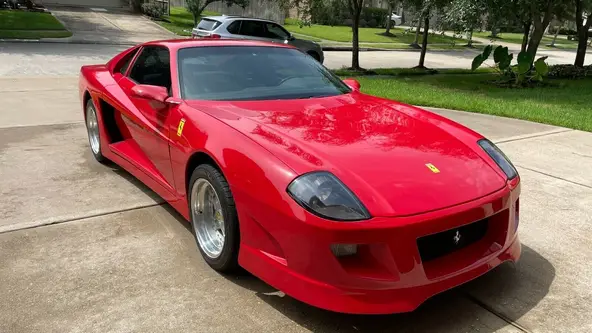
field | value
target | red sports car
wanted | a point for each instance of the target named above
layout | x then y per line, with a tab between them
342	200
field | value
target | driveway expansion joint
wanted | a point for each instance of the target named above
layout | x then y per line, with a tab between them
556	177
533	135
497	313
17	227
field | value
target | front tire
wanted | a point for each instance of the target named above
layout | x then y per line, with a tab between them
94	133
214	218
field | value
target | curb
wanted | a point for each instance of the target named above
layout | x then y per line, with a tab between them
372	49
363	49
63	41
3	40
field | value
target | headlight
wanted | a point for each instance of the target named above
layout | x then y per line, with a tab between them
323	194
499	157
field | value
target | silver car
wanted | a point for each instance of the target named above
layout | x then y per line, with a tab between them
237	27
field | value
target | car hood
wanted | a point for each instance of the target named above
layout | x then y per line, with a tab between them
399	160
303	43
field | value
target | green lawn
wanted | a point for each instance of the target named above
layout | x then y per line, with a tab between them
567	104
367	35
30	25
516	38
181	21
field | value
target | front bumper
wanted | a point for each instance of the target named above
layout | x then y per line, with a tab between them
387	275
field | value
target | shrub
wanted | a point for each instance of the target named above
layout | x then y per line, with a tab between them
334	12
527	72
378	14
329	12
136	5
363	23
153	9
569	72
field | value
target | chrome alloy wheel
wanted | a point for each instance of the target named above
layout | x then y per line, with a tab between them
207	217
92	126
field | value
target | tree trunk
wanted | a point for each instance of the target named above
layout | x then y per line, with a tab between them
388	20
356	42
582	35
525	38
535	41
470	38
200	9
540	26
582	47
555	37
417	30
494	32
424	42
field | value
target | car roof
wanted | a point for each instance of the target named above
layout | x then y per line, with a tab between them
175	44
222	18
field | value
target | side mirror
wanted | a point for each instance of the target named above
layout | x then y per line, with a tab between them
152	93
353	84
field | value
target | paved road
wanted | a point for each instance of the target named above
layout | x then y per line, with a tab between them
35	59
116	259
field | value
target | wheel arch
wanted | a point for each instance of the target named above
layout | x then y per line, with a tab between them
85	98
196	159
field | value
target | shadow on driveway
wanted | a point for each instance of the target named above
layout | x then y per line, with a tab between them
453	311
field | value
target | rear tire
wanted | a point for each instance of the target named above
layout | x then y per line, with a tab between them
214	218
94	134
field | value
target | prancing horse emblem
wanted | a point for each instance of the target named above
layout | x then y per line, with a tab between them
456	237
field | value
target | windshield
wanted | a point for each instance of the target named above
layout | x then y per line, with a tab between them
208	24
231	73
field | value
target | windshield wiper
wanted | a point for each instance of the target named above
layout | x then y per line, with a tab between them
315	96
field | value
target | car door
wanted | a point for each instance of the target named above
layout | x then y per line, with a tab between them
149	122
276	33
255	30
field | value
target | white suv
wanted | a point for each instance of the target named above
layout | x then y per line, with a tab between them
237	27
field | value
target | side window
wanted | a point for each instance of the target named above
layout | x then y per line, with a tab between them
276	32
153	67
234	27
253	28
124	63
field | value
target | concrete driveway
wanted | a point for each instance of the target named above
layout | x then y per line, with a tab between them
87	248
108	26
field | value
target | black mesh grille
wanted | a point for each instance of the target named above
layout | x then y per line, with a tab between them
443	243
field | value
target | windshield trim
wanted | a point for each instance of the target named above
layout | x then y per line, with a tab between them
346	89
